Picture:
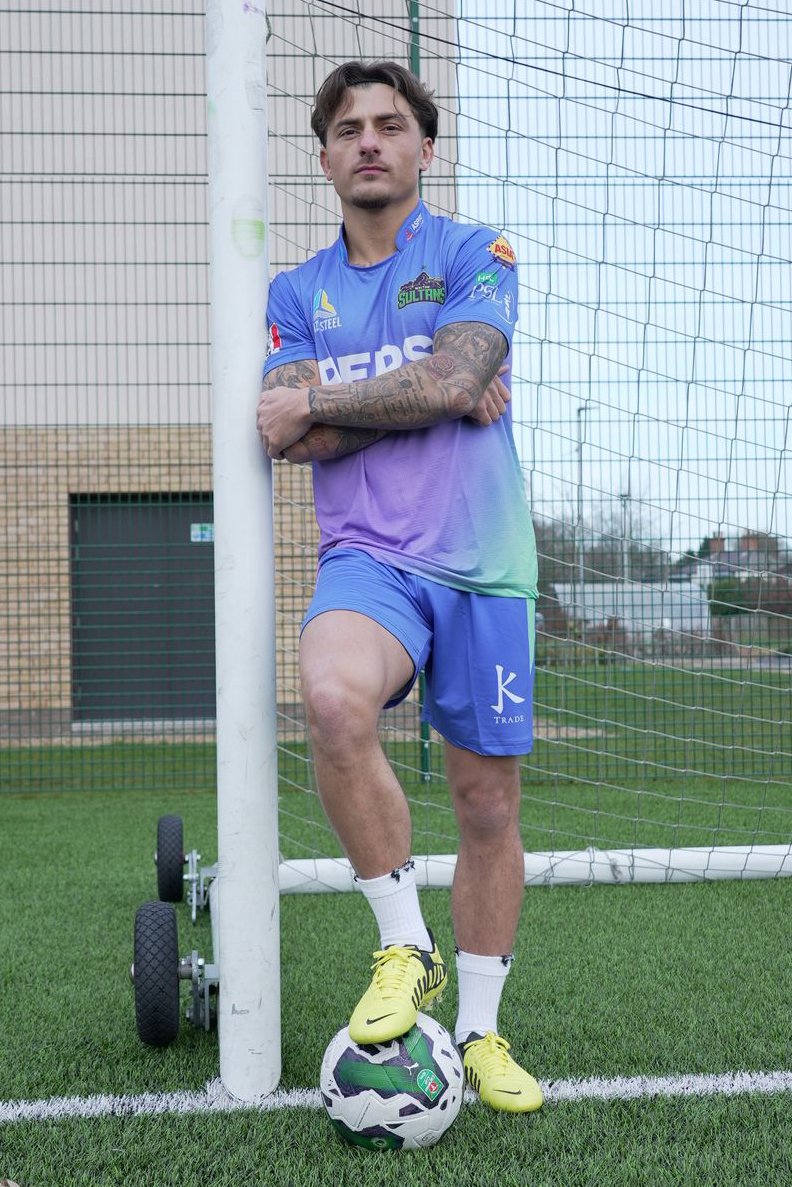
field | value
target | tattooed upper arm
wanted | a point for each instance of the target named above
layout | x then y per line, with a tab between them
468	353
303	373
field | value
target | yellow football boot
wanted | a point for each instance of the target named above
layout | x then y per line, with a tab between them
493	1074
406	980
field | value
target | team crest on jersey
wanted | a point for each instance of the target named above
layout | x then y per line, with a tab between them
423	288
325	316
503	251
274	344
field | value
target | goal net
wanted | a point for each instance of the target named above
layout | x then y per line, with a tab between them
639	161
640	165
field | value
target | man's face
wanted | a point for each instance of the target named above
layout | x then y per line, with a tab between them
375	149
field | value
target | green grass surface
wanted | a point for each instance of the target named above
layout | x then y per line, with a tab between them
737	1142
610	981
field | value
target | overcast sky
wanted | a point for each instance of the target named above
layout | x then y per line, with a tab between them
642	168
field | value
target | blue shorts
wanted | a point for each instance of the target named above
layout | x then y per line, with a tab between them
476	650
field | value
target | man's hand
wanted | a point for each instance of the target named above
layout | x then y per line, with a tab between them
282	418
492	404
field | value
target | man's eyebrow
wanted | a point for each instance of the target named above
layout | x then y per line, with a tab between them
387	117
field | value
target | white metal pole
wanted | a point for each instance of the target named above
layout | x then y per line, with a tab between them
247	899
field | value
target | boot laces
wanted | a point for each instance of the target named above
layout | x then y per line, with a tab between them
493	1053
391	968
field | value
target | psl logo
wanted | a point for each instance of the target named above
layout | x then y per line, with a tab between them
504	690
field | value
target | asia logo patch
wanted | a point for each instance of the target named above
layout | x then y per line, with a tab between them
325	316
423	288
274	343
503	251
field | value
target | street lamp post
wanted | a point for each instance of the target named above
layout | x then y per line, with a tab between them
581	414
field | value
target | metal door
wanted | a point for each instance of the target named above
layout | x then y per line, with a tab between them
142	581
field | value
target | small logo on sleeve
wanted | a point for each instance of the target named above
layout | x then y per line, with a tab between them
274	344
486	288
503	251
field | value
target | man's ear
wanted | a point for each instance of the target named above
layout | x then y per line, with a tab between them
427	154
324	161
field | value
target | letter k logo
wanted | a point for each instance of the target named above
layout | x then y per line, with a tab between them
503	687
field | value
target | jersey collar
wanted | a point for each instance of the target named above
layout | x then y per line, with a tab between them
412	226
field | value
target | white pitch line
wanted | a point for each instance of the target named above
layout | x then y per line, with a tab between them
214	1098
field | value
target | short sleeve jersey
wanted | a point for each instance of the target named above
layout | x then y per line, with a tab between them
446	502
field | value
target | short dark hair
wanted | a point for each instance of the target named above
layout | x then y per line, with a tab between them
331	95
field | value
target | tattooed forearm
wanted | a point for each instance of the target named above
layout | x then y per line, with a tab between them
443	386
324	442
300	374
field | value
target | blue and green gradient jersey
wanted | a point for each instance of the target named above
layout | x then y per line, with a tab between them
446	502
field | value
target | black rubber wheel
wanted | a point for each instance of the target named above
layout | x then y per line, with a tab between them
170	859
156	974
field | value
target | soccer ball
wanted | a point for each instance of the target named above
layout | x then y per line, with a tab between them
400	1095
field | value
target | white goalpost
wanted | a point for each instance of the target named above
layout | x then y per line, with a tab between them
246	901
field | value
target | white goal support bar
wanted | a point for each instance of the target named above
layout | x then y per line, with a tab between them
572	868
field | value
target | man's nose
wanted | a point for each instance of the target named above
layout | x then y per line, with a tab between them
369	141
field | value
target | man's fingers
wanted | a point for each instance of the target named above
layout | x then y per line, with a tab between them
498	386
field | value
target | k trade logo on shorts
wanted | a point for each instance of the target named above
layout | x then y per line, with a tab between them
505	691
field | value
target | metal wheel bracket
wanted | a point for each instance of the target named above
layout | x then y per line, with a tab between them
198	879
204	982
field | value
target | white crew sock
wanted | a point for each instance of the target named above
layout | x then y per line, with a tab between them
394	900
480	980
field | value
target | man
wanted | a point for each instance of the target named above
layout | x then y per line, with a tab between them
384	371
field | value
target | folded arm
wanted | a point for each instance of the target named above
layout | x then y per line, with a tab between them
321	441
446	385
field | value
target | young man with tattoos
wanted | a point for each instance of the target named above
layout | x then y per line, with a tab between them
388	371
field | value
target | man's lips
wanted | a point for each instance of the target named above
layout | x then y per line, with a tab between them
370	169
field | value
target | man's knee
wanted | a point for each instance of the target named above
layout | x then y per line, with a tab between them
349	667
487	813
339	713
486	796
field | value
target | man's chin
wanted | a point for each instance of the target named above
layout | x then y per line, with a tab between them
369	201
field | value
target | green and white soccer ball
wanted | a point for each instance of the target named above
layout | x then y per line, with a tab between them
400	1095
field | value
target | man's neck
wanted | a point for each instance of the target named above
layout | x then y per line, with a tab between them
371	234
